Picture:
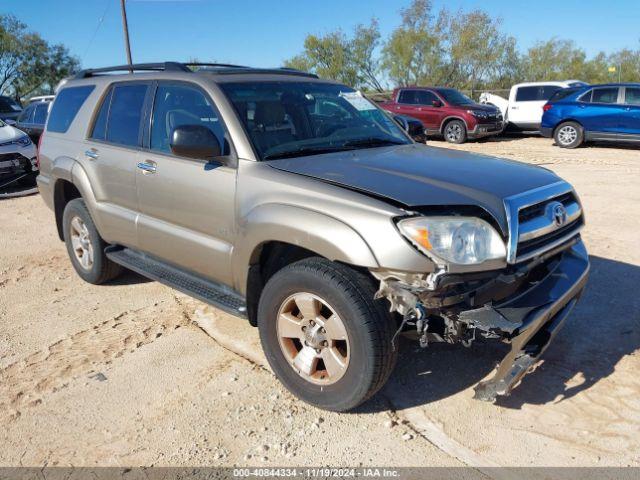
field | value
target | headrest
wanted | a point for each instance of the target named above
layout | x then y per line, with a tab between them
269	113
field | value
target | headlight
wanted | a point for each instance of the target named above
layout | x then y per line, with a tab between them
24	141
459	240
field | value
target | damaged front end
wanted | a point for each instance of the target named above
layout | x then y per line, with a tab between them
524	304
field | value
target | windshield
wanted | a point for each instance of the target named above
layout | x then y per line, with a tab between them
9	105
294	119
454	97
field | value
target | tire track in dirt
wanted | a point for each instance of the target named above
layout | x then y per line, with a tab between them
25	383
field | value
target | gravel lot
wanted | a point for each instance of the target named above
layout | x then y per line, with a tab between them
124	374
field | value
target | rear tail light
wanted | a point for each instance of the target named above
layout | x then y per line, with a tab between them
38	151
547	107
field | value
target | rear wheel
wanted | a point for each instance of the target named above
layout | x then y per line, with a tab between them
569	135
85	246
327	340
455	132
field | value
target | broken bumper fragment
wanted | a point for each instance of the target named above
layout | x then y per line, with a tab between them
531	319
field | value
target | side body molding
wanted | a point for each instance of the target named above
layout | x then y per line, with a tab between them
306	228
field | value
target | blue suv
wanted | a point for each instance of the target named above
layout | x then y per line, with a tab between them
596	112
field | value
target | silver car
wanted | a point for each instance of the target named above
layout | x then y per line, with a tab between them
300	205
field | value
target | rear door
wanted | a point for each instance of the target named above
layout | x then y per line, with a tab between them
525	109
111	154
630	119
187	206
407	104
601	112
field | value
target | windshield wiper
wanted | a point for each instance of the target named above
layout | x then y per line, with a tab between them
372	142
302	151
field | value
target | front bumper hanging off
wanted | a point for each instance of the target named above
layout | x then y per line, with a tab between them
534	318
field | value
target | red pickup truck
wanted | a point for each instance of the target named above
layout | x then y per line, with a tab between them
446	112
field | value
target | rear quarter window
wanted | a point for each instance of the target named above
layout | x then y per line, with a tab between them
537	93
66	106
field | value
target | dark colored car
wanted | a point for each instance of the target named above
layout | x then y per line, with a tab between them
33	118
10	109
446	112
608	112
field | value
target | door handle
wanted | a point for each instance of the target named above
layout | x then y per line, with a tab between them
514	108
148	166
92	154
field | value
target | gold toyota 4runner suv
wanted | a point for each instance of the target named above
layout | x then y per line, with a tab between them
300	205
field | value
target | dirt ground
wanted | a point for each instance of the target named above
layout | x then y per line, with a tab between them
124	374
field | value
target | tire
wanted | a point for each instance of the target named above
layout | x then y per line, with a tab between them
367	354
455	132
86	247
569	135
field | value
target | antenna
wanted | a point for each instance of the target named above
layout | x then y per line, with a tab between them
125	27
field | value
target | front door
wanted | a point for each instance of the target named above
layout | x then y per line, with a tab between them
187	206
603	112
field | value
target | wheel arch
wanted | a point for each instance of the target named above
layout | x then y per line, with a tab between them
271	241
449	119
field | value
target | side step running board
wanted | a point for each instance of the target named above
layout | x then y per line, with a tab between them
218	295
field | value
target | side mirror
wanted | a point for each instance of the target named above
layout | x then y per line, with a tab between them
195	141
436	103
412	126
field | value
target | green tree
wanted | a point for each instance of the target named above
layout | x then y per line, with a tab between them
29	65
413	53
351	61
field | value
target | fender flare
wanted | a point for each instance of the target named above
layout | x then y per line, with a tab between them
306	228
69	169
453	117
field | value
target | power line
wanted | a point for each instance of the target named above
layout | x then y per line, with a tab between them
95	32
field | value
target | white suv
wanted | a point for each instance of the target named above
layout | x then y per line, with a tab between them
523	109
18	165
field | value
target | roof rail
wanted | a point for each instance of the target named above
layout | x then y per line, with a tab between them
218	68
164	66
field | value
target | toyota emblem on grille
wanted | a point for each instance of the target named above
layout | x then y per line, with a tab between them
557	213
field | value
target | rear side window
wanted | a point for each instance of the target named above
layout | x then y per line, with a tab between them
125	114
562	93
537	93
605	95
40	115
27	115
632	95
66	107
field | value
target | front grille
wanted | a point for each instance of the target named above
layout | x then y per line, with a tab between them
14	164
542	225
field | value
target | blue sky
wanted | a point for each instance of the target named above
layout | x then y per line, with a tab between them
264	33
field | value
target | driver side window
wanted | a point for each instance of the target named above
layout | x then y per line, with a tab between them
177	105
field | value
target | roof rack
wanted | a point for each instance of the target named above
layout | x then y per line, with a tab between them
164	66
218	68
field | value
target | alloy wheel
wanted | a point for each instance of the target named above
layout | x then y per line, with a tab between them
454	132
313	338
81	243
567	135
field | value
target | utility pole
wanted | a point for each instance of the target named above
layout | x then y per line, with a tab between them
125	27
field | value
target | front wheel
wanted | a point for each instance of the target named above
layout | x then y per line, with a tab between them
326	338
569	135
455	132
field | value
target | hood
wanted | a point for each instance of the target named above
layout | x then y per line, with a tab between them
480	108
419	175
8	133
